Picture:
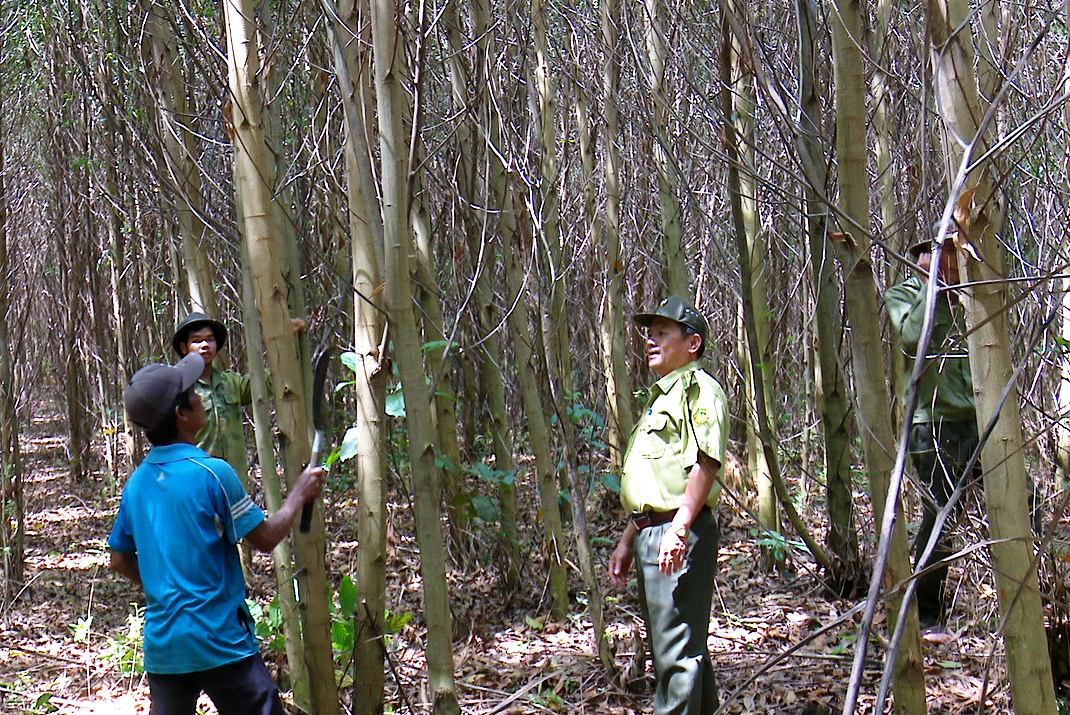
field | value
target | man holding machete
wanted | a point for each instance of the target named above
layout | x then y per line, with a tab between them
180	519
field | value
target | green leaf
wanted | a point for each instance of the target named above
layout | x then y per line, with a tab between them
395	404
436	345
349	359
348	450
394	622
342	636
533	623
485	508
43	704
347	595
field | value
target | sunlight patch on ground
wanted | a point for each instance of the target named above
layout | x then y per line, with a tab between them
67	562
69	514
126	704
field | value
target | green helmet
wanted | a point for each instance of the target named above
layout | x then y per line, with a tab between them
198	320
676	308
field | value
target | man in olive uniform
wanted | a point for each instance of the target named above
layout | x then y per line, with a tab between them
943	432
223	392
670	488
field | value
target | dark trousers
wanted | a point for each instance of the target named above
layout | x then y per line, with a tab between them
242	688
676	609
940	452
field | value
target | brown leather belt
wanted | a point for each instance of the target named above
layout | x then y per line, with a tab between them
643	519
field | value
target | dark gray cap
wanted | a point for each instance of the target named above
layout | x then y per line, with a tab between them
196	320
676	308
152	390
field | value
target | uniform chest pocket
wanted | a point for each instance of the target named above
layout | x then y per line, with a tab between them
227	395
656	435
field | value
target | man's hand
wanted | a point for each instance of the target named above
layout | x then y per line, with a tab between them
671	554
620	561
309	484
268	533
620	564
126	565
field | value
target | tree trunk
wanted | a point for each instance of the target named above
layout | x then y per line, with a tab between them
557	333
269	480
874	404
1006	482
166	78
833	395
12	504
289	377
676	277
477	111
612	331
352	61
390	72
756	281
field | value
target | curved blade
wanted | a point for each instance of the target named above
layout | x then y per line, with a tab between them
319	381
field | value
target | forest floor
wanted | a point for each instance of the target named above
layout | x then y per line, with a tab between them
63	639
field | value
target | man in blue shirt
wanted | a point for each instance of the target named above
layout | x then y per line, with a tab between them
181	517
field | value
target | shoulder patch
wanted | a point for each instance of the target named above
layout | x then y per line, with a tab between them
700	416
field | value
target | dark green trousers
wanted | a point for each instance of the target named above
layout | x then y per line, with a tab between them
677	613
940	452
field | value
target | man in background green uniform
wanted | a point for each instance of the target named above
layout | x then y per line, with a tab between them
223	392
670	487
943	432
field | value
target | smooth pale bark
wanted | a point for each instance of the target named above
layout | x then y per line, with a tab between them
72	240
558	323
272	486
1062	401
867	348
517	241
484	254
390	70
439	350
12	504
765	439
117	428
833	396
612	331
168	84
1002	453
530	370
675	273
755	281
289	376
350	39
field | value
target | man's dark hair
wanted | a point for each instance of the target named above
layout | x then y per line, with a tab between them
167	431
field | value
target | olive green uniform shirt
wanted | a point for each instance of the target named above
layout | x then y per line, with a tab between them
945	390
223	435
687	412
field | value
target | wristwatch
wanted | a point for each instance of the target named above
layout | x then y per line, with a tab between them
683	532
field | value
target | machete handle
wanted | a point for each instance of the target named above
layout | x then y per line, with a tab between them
306	518
314	458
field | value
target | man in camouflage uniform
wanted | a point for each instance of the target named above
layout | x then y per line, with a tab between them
223	392
670	487
943	432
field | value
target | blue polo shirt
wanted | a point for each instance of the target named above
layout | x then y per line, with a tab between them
182	514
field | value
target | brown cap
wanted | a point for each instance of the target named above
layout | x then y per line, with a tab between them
926	245
152	390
